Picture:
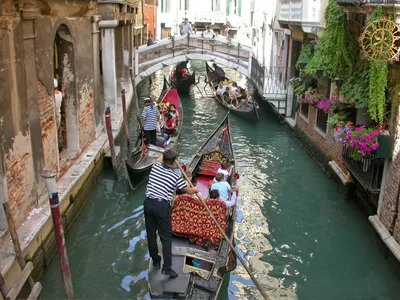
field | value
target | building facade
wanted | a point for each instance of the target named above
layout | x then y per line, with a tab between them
200	14
74	44
149	18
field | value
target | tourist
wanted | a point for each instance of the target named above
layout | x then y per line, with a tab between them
170	124
208	33
214	194
224	170
58	97
150	40
223	187
220	90
185	73
185	27
174	112
163	181
150	117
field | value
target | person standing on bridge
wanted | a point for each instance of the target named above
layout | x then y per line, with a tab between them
186	27
163	181
150	116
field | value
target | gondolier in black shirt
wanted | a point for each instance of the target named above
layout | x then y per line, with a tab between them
163	181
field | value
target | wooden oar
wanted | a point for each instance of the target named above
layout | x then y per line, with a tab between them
258	285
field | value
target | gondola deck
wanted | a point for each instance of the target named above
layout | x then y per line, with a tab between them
204	281
141	158
249	111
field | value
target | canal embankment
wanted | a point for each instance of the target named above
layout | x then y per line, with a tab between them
36	234
314	142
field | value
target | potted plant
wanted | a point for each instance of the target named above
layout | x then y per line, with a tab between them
312	97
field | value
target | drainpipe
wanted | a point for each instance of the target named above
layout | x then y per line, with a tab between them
99	105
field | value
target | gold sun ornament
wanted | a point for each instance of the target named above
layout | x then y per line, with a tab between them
379	41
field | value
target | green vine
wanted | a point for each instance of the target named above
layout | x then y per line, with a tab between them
332	53
378	73
356	86
306	55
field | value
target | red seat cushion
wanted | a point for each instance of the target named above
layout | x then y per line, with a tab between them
209	168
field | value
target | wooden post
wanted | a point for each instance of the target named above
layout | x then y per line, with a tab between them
3	287
14	237
49	178
124	111
111	138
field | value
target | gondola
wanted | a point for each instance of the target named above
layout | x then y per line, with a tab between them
200	254
182	84
142	157
245	110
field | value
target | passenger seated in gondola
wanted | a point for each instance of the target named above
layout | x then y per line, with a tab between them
173	76
234	87
174	112
220	90
185	73
224	169
214	194
170	124
223	187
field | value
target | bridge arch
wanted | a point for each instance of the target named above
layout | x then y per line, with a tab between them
221	50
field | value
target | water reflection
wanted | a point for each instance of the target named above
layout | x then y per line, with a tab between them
294	230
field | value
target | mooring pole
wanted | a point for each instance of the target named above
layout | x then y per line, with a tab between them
124	111
49	178
110	138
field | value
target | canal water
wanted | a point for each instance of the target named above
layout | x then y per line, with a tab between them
300	237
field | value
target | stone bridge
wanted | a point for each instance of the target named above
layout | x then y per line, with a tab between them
221	50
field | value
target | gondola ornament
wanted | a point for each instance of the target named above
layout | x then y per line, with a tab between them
379	41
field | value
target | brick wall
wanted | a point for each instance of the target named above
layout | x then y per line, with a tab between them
20	177
389	214
48	126
326	144
86	119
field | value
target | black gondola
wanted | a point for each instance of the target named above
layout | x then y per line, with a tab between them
244	109
142	157
200	260
182	84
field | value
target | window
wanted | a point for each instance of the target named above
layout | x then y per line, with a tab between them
304	108
165	6
322	119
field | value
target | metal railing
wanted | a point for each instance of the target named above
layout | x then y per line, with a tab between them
272	83
368	171
360	2
204	16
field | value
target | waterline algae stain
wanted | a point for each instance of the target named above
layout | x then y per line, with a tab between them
302	240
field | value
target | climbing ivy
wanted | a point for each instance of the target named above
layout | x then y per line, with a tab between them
378	73
332	53
356	86
306	55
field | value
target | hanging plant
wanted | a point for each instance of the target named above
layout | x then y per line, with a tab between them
332	53
312	97
306	55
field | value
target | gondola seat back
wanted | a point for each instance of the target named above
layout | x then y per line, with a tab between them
211	162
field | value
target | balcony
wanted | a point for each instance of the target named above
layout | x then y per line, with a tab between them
366	2
291	11
368	171
204	16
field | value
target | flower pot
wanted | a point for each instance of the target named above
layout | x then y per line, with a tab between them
385	149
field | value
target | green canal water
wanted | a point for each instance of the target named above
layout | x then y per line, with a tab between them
300	237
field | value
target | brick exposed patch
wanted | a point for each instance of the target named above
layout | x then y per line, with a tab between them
328	144
389	214
86	119
20	178
48	127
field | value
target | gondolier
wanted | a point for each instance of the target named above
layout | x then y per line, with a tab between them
150	117
163	181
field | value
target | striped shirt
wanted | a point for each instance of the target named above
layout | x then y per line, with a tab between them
151	116
163	181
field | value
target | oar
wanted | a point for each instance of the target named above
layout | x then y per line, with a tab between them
258	285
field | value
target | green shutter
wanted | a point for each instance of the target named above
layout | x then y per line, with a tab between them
239	9
227	7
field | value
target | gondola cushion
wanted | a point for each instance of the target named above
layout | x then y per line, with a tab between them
190	219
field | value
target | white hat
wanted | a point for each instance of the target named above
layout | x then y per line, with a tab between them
55	83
